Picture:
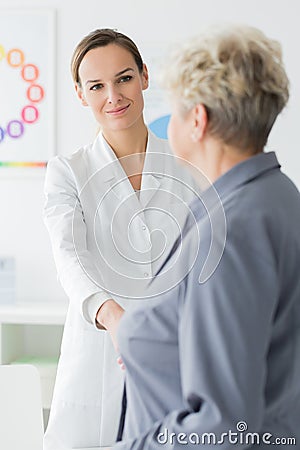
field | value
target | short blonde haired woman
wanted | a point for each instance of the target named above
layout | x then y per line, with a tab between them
218	356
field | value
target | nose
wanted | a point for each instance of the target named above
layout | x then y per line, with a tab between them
114	96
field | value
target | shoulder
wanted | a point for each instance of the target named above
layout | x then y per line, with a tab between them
262	217
65	170
272	199
71	160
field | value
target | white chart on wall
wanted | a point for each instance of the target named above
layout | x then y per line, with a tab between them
26	87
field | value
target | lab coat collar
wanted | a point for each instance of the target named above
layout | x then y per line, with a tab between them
153	170
113	173
105	158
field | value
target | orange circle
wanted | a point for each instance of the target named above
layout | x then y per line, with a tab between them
29	68
11	54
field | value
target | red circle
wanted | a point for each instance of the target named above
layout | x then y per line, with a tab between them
35	69
29	94
32	108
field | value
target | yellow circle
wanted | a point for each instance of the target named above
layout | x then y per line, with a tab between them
2	52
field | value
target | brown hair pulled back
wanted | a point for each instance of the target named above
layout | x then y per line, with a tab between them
101	38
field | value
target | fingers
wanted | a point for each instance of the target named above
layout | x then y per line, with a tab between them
120	362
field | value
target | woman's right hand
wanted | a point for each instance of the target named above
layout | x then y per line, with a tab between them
109	316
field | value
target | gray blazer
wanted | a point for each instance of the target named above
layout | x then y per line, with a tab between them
217	357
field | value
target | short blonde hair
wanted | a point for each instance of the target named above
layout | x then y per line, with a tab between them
237	73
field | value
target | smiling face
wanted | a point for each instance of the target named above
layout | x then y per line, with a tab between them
111	85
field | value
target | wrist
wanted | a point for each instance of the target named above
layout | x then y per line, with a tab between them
108	314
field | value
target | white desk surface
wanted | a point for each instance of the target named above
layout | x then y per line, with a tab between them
31	313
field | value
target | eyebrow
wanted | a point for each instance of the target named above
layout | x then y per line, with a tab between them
117	75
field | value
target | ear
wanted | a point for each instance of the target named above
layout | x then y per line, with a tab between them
80	95
200	120
145	78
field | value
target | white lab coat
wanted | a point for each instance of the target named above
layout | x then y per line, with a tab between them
105	240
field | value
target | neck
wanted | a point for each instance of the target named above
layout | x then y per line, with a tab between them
129	141
216	158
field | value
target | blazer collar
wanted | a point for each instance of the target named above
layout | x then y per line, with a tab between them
236	177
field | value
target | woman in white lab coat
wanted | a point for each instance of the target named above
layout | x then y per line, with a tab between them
113	210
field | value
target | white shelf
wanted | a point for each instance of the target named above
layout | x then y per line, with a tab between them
33	331
33	313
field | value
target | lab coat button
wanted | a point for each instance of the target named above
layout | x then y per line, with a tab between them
143	227
146	274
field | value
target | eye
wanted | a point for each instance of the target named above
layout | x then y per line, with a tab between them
96	87
125	79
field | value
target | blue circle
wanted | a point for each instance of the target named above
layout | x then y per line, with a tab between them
2	134
160	126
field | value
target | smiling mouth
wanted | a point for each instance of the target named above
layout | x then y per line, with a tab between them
118	111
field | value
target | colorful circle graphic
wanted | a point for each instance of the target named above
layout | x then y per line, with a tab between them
34	93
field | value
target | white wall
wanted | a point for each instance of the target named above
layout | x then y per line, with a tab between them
157	23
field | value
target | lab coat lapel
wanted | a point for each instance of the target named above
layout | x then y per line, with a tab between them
150	185
111	172
153	172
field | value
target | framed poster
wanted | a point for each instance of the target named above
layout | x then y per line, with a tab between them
27	134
